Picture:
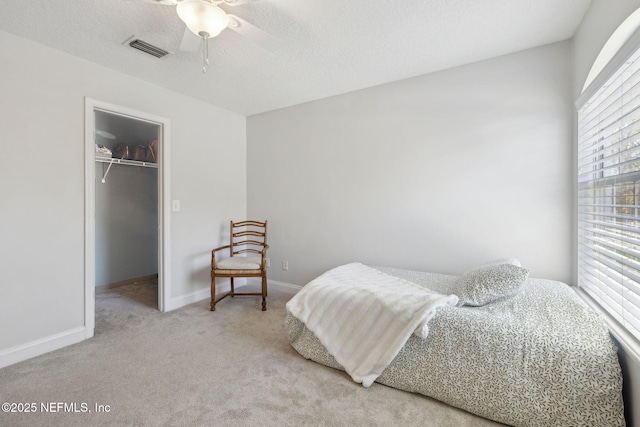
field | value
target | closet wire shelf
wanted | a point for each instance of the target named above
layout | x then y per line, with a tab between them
126	162
112	161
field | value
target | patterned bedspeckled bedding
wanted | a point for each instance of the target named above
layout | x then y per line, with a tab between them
539	358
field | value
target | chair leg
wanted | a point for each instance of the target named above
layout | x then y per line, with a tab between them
213	294
233	291
264	293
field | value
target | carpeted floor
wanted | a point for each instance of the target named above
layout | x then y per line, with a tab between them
193	367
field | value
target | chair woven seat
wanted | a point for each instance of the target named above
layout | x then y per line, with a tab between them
237	273
240	263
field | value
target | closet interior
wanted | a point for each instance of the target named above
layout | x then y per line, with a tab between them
126	201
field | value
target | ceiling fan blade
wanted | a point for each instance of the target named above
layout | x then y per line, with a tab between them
161	2
190	42
253	33
238	2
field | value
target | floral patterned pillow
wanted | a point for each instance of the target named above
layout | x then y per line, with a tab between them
513	261
488	283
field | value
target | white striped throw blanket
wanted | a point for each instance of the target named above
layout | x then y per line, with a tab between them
364	317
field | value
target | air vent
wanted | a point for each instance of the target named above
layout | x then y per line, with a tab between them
147	48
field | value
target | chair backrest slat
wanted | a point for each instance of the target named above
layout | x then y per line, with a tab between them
248	237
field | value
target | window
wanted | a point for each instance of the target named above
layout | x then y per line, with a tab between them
609	195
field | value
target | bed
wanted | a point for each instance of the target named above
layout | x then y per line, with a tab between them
525	354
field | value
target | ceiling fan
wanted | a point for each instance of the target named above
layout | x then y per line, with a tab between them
205	19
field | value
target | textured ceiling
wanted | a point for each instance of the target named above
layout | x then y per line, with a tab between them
328	47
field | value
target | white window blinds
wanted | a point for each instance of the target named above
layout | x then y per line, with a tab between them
609	195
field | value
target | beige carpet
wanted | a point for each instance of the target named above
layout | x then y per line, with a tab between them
193	367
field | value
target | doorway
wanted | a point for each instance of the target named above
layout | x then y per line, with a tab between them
126	200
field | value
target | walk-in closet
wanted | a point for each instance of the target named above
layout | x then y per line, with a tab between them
126	202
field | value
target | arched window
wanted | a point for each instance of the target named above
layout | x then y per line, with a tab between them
615	43
609	178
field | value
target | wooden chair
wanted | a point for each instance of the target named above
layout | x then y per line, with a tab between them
245	237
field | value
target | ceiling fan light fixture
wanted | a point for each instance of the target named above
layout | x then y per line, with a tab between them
202	17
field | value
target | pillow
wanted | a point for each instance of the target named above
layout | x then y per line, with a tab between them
512	261
489	283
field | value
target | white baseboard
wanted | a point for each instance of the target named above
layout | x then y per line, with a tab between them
181	301
40	346
108	286
284	287
203	294
35	348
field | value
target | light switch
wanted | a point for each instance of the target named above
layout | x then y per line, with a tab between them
175	205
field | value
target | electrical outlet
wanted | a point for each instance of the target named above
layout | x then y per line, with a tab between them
285	265
268	262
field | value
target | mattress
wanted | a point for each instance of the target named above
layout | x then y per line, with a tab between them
539	358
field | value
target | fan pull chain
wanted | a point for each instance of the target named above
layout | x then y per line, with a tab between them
205	54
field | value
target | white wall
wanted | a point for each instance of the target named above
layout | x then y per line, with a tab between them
126	223
435	173
602	19
42	95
